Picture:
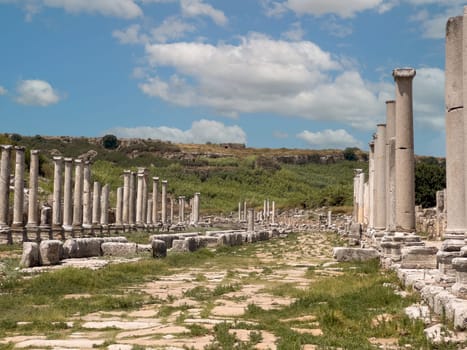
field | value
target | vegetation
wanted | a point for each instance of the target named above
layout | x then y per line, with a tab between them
430	176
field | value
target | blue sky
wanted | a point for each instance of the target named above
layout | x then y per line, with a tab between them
268	73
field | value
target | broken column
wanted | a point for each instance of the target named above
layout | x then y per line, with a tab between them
196	208
5	170
380	178
251	220
149	212
57	195
181	209
96	205
405	166
164	202
155	200
273	212
33	211
18	201
105	207
68	195
120	205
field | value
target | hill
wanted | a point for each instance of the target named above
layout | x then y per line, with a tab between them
224	174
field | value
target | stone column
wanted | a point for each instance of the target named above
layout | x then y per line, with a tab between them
361	196
181	209
57	195
390	166
164	202
5	171
87	196
239	211
371	186
140	198
120	206
18	202
149	212
171	210
33	212
155	199
405	165
132	202
68	195
105	206
356	196
273	212
145	196
96	204
268	212
251	220
366	204
126	197
329	218
244	211
380	178
78	195
264	210
196	208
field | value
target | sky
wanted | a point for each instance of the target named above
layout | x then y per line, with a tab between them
308	74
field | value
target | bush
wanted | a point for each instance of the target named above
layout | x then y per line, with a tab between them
430	176
350	153
110	141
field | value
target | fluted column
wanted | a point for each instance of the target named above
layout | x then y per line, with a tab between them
5	171
78	195
380	178
164	202
405	164
126	197
87	196
155	199
96	204
68	195
33	212
57	195
18	201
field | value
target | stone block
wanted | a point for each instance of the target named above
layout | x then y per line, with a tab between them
82	247
118	249
30	257
143	248
419	258
354	254
159	248
452	245
178	245
50	252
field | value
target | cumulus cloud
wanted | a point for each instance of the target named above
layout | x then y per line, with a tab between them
194	8
130	35
171	28
36	93
263	75
201	131
3	91
428	95
127	9
295	33
329	139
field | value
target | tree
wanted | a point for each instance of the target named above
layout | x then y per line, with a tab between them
350	153
430	176
110	141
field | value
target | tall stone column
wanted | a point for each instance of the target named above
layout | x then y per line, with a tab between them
105	206
164	202
33	211
356	194
361	196
126	197
57	195
371	186
273	212
87	196
96	204
171	210
264	210
120	206
155	199
149	212
145	196
196	208
140	199
132	203
5	171
18	202
380	178
244	211
390	166
405	164
251	220
366	204
78	195
239	211
268	211
68	195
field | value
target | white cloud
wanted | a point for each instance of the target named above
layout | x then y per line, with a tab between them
329	139
3	91
171	28
127	9
130	35
36	93
336	29
261	75
295	33
201	131
194	8
428	95
340	8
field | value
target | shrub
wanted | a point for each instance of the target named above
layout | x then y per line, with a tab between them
110	141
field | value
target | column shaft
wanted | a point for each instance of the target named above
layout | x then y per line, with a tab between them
78	194
18	202
68	194
164	202
105	205
380	178
96	203
57	195
33	212
5	171
155	199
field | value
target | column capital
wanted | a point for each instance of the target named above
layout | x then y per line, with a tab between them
390	101
78	161
68	160
126	171
35	151
19	148
156	179
407	73
164	182
6	147
58	158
